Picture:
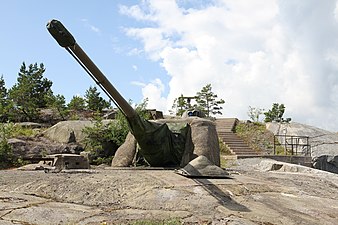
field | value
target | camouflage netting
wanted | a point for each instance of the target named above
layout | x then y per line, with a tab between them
159	145
172	142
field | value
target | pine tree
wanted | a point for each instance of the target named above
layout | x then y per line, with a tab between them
180	105
94	100
77	103
275	114
28	94
3	100
57	103
207	101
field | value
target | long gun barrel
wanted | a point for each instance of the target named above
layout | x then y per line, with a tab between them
158	144
66	40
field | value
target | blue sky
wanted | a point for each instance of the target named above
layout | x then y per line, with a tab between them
253	53
97	27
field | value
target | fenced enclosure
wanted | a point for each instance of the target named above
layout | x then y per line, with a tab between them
291	145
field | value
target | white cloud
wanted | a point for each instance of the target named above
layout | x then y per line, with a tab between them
153	91
138	83
253	53
91	26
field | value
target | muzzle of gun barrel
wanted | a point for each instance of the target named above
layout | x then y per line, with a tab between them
60	33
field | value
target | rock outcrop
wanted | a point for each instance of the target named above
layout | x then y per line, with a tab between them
40	146
69	131
267	192
324	144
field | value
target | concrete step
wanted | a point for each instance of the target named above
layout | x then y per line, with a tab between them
225	129
242	150
226	124
247	154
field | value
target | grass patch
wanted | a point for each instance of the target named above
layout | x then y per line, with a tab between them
227	162
157	222
223	148
256	136
19	131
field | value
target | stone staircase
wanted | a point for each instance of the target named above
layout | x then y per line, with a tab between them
225	128
226	132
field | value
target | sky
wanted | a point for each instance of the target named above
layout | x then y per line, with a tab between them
253	53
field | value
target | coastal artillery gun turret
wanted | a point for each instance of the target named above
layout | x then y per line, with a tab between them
172	142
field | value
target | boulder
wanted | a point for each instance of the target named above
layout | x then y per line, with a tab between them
125	153
326	162
37	147
69	131
205	139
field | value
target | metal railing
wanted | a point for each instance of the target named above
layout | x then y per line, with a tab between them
292	145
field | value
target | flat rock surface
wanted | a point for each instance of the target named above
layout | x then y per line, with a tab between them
255	195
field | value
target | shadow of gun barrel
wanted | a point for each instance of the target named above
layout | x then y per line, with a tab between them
158	144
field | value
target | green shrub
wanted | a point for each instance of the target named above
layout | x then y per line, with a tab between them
7	158
256	136
18	131
103	139
223	148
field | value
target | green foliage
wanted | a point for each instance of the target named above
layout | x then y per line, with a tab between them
254	113
77	103
3	90
20	131
223	148
74	116
180	105
141	110
29	93
280	150
207	101
103	139
94	100
7	158
98	137
275	114
57	103
227	162
3	101
256	136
